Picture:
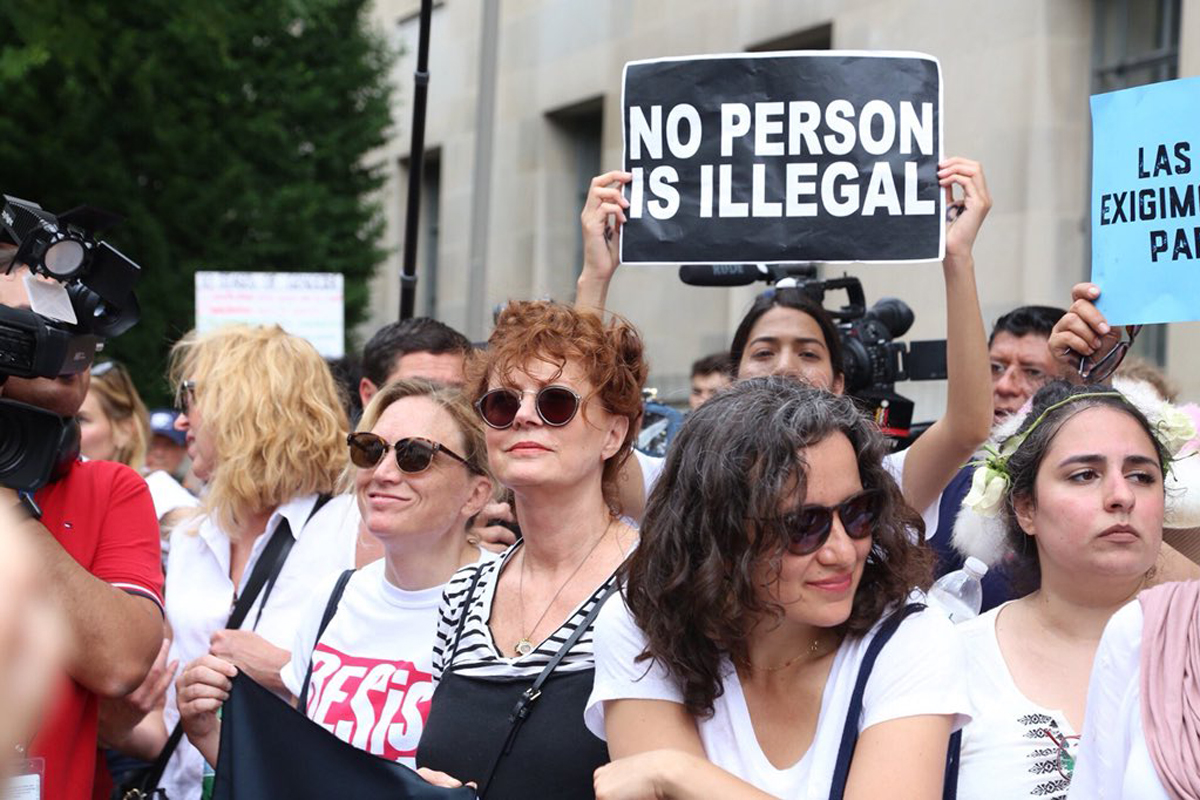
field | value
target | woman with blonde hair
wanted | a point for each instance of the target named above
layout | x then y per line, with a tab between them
266	431
114	426
420	473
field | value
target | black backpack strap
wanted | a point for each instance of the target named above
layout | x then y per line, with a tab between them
149	781
841	770
331	607
524	705
265	572
285	548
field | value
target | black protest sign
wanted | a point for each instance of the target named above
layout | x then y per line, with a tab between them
783	157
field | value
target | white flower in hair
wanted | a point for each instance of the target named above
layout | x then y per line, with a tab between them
988	486
1173	427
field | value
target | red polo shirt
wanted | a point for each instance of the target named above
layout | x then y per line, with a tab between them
102	515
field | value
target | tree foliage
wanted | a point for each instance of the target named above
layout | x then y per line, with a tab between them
230	134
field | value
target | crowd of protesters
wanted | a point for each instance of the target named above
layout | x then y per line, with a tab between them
453	558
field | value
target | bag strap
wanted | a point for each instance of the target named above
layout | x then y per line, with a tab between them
331	607
265	572
841	770
524	705
153	777
462	619
283	532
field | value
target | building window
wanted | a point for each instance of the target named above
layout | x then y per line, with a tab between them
1137	42
818	38
573	153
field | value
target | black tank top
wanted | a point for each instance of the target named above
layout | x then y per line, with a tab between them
470	733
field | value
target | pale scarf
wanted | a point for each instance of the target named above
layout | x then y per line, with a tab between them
1170	684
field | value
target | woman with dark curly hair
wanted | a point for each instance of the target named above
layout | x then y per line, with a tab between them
559	392
774	547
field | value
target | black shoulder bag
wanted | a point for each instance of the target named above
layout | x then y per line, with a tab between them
525	704
144	784
841	771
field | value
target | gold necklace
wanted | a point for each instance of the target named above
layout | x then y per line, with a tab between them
524	646
811	651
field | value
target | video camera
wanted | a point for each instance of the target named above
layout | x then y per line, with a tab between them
90	299
873	360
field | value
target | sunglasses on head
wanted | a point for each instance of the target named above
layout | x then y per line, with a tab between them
556	405
413	454
808	527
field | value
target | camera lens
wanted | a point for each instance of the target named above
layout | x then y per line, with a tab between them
894	313
63	258
13	442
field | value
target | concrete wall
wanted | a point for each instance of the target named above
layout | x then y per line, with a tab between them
1017	78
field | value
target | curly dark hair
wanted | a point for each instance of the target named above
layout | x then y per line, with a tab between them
1024	569
690	582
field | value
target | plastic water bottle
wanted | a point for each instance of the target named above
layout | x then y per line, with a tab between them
960	593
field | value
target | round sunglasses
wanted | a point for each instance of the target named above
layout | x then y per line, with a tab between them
808	527
556	405
413	454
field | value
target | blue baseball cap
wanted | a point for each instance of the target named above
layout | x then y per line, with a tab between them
162	422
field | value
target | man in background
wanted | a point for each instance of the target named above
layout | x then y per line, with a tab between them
710	375
413	348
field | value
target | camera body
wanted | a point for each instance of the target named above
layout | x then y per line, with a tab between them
873	361
97	282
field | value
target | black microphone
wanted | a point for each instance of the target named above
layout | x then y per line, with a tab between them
723	274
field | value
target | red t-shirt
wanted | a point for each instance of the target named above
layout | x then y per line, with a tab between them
102	515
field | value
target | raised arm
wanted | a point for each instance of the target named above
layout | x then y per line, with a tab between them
942	450
602	217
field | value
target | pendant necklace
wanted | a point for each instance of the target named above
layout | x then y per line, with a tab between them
524	646
811	651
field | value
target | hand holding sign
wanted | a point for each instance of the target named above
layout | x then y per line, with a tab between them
966	215
602	218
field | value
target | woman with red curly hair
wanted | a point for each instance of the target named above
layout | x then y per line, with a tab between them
560	394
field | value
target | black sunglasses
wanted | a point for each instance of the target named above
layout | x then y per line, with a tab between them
185	395
1101	369
808	527
556	405
413	454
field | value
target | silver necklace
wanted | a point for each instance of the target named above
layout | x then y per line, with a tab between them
524	646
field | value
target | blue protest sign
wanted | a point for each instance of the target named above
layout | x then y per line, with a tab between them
1145	214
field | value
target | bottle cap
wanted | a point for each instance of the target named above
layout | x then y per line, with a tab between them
975	567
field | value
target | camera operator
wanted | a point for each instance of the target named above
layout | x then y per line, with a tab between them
97	542
925	468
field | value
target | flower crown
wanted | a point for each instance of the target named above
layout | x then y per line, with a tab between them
990	483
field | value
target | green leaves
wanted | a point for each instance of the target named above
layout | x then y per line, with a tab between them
231	134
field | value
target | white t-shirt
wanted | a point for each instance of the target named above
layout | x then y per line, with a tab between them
894	463
168	494
1011	748
919	671
372	677
200	596
1114	762
652	467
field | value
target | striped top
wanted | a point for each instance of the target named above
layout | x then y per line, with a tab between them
477	655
